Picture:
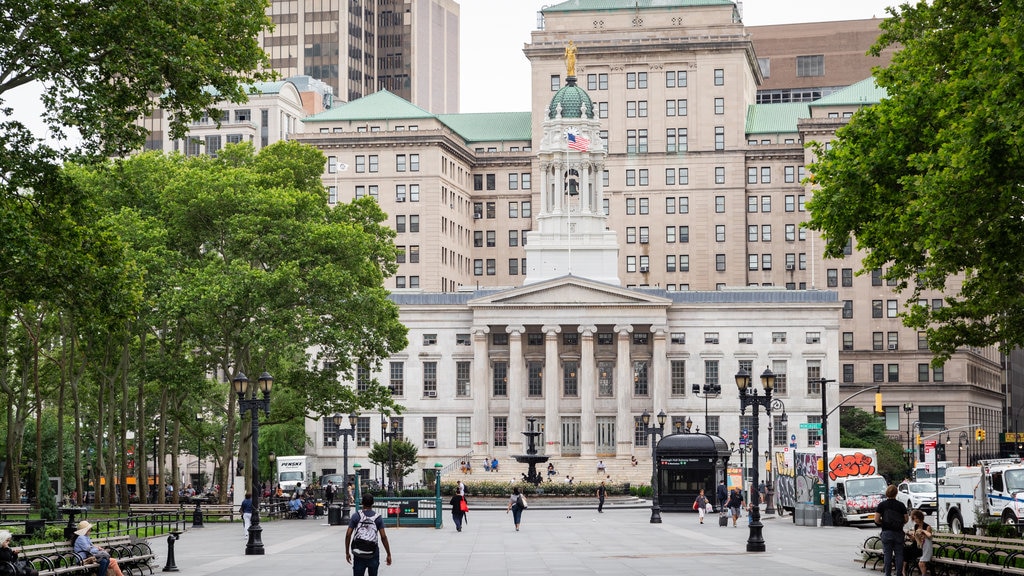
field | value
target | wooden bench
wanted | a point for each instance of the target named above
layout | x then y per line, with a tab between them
220	510
959	554
9	510
59	558
871	551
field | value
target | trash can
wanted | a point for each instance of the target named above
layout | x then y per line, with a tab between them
334	515
800	514
318	509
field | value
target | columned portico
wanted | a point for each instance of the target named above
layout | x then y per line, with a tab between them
552	389
481	392
588	391
516	391
623	389
659	367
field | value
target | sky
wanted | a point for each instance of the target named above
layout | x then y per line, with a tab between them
496	74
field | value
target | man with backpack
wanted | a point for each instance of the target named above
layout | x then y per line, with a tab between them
891	515
364	530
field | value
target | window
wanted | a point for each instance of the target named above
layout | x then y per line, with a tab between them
332	194
752	175
675	79
939	374
513	238
752	262
524	179
813	434
711	337
556	82
720	262
711	372
810	66
877	372
602	109
813	337
360	164
499	378
526	210
513	266
630	202
752	204
922	372
414	223
876	340
513	181
570	379
677	377
640	383
766	233
848	373
500	430
746	337
414	162
430	339
492	267
332	164
397	379
430	379
463	431
766	175
720	233
890	308
847	277
876	308
605	376
719	174
719	105
790	232
814	378
893	371
399	223
670	263
847	308
719	77
374	162
789	174
719	137
832	277
684	263
535	378
400	163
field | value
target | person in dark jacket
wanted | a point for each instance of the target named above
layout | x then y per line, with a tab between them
892	516
721	495
458	514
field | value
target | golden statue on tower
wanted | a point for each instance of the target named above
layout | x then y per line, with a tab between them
570	60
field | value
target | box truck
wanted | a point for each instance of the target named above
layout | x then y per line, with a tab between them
291	470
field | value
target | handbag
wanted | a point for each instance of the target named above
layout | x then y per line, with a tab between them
695	506
463	506
710	508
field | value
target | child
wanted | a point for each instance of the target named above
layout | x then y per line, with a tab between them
922	534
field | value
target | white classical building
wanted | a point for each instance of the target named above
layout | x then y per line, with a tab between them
583	356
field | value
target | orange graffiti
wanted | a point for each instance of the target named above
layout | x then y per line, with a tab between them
847	465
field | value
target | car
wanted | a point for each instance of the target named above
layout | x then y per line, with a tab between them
918	495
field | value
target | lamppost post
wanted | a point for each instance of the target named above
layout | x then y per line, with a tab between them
826	508
964	443
908	407
708	391
253	405
654	432
769	489
199	457
750	397
390	465
353	419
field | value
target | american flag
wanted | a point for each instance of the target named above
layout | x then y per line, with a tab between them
577	142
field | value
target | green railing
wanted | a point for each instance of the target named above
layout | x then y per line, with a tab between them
409	510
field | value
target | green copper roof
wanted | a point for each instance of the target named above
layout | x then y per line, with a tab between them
775	118
377	106
862	93
593	5
572	99
490	126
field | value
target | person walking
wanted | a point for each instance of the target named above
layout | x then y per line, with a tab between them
721	495
459	509
601	493
891	515
516	503
702	505
922	535
329	491
735	503
246	510
368	528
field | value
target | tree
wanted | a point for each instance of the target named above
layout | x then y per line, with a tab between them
928	181
47	501
399	458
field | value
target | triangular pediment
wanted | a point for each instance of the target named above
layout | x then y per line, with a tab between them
569	291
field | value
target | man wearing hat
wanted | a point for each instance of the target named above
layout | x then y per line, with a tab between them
85	549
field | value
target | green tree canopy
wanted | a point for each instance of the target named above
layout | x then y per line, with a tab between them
928	182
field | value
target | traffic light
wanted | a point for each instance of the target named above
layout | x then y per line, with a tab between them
878	403
979	434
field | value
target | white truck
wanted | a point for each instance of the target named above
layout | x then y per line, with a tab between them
924	471
991	491
857	488
291	470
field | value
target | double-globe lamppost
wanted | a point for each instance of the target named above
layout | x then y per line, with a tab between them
353	419
390	465
963	443
654	432
769	486
253	405
750	397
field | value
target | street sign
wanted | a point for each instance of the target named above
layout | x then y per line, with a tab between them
810	425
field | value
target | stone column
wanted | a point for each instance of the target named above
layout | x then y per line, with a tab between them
552	388
481	392
588	392
624	389
516	389
659	382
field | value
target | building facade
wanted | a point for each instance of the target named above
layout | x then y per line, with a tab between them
409	47
703	189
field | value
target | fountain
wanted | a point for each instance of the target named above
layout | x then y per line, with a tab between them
531	457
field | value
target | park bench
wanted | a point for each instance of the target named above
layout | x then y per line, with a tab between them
220	510
10	510
59	558
871	551
959	554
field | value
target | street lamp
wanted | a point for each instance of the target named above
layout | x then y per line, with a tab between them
253	405
709	391
390	467
769	489
750	397
826	508
963	442
654	432
353	419
199	457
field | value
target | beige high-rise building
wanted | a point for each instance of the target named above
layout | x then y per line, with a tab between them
409	47
701	186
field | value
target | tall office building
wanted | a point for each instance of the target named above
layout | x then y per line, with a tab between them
409	47
701	185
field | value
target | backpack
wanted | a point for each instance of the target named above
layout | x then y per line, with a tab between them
892	519
364	541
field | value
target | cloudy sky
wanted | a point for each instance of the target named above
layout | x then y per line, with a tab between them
496	74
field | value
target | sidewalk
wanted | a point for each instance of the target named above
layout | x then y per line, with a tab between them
552	542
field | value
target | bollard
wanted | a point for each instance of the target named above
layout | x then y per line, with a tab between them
197	517
170	567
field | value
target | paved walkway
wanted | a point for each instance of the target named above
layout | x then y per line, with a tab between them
574	542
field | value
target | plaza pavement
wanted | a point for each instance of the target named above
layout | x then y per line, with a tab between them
561	542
